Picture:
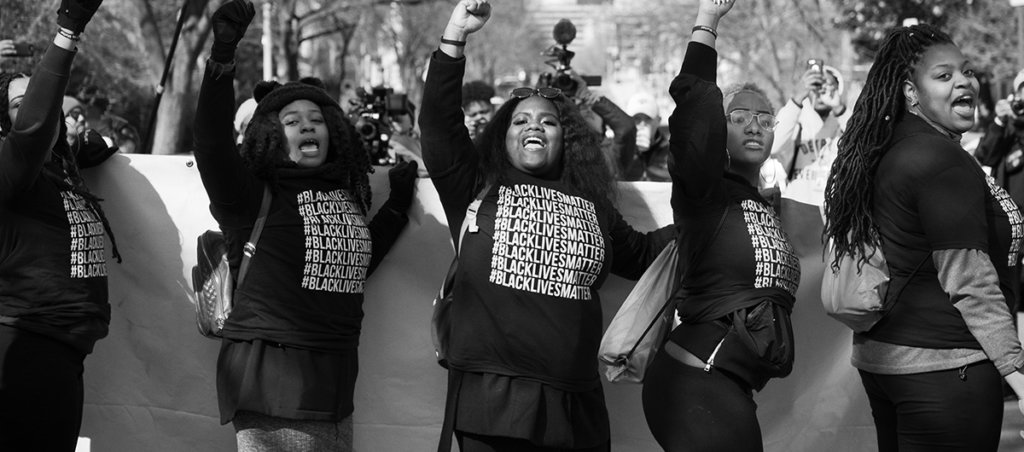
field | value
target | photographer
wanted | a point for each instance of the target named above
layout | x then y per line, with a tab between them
604	115
476	105
810	125
1001	147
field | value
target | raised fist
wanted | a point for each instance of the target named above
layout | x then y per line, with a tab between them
229	24
74	14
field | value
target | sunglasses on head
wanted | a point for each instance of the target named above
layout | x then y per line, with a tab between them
524	92
743	118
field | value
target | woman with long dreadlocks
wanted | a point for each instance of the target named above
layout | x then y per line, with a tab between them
527	317
902	183
740	267
288	360
53	270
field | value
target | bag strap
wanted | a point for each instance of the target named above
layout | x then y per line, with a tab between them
907	283
455	376
250	247
679	281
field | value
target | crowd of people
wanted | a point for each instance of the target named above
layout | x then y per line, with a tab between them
528	186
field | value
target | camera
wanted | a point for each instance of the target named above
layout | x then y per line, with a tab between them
561	58
21	50
372	120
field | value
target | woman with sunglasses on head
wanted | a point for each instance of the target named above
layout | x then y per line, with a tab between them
526	314
697	394
902	183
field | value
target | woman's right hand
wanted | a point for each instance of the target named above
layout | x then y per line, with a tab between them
714	8
229	24
468	17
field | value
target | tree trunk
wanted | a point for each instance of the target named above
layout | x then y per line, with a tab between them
172	132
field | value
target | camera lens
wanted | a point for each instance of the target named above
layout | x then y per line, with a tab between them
564	83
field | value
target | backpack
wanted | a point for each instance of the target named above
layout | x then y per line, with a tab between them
855	294
211	276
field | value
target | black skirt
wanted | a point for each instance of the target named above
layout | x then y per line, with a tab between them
280	381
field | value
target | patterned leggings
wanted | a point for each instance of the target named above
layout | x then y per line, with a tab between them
259	433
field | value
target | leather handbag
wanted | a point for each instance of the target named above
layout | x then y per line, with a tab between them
211	276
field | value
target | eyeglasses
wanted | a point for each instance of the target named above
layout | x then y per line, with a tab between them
524	92
743	118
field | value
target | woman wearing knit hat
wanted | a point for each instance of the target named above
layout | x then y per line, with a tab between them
526	320
288	360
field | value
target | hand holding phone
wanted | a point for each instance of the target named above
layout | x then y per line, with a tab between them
12	49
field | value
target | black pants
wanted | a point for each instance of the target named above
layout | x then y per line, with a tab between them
950	410
41	392
688	409
469	442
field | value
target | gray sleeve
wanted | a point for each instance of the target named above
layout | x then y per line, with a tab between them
970	279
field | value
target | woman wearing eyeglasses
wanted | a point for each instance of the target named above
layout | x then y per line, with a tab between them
526	317
697	394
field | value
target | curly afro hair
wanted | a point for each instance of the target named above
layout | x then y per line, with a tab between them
265	147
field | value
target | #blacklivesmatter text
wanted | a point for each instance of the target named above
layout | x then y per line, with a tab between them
337	242
87	242
546	242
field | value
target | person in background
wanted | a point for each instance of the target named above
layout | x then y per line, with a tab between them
652	153
53	274
288	360
477	106
902	183
522	370
698	391
405	138
99	118
616	128
810	125
242	117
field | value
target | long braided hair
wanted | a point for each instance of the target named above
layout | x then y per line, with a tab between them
849	195
62	168
583	166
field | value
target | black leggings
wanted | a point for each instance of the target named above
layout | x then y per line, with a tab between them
469	442
688	409
41	392
950	410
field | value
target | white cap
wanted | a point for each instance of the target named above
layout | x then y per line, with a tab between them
244	113
643	103
1018	80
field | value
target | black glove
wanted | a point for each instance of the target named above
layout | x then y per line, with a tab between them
403	180
74	14
229	24
91	149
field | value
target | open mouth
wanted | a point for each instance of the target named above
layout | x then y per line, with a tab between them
310	147
533	143
964	105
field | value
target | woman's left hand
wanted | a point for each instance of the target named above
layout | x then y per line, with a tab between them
468	17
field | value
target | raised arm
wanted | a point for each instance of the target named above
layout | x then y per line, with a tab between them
697	125
220	165
448	151
36	126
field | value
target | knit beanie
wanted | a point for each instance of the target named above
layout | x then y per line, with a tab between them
272	96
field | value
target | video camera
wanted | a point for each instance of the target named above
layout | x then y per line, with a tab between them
564	33
372	119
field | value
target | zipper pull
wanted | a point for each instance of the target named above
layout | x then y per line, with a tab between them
711	359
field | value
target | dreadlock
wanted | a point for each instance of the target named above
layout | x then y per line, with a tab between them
849	197
264	151
583	166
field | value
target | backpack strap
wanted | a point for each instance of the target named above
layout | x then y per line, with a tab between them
250	247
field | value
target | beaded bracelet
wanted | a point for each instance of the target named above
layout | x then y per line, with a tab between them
69	35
